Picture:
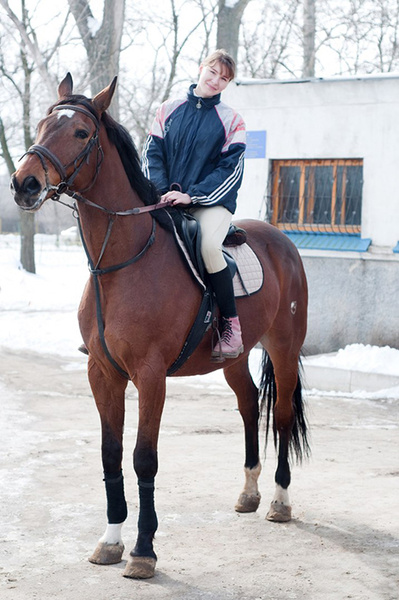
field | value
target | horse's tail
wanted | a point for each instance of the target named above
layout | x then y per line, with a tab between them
299	444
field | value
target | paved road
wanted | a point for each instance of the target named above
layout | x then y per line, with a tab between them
342	542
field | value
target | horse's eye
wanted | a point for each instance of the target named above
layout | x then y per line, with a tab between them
82	134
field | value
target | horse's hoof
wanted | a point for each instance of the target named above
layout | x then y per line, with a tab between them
278	512
140	567
107	554
247	503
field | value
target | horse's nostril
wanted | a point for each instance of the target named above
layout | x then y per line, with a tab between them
31	185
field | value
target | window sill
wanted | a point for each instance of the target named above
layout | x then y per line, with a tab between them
329	241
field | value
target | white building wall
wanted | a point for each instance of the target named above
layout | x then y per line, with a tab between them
338	118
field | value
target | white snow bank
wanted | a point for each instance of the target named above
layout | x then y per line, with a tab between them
359	357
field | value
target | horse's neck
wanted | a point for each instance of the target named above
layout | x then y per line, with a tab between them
122	236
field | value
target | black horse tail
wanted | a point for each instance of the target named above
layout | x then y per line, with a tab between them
299	444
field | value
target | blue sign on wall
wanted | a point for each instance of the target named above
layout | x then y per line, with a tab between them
256	144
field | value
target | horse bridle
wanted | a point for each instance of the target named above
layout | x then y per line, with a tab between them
66	182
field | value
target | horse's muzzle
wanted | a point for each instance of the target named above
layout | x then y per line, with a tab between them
29	194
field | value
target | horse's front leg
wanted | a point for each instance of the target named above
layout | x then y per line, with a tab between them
110	400
151	387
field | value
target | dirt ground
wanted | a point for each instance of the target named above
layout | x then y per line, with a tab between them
342	542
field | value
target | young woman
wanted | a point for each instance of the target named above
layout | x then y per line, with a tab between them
194	155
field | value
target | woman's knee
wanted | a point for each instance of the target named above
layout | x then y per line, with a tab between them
213	258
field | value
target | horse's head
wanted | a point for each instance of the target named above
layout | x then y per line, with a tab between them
67	154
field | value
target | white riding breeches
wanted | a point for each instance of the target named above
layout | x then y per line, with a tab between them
214	222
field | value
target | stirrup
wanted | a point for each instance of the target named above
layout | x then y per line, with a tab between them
216	355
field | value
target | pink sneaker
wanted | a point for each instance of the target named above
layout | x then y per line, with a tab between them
230	344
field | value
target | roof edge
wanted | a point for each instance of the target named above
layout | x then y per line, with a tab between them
374	77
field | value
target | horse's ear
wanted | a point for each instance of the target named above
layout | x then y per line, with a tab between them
66	86
103	99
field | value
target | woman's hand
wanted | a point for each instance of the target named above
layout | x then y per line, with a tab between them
176	197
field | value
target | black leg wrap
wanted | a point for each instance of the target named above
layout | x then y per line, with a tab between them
283	476
283	473
116	503
147	522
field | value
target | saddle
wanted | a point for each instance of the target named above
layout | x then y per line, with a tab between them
189	232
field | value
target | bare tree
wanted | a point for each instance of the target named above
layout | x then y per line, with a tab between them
102	48
228	25
269	41
309	38
27	220
359	36
167	38
102	42
30	44
179	44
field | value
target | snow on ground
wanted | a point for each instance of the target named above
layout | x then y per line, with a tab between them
359	357
39	312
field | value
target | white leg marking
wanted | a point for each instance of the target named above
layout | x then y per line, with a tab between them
251	480
281	496
112	535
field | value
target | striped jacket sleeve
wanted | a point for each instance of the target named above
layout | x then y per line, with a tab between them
223	183
153	161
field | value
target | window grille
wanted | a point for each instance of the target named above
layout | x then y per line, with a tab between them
316	195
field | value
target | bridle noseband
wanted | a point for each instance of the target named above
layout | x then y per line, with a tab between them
66	182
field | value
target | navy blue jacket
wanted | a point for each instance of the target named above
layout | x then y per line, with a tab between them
198	143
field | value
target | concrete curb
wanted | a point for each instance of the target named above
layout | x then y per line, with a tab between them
327	378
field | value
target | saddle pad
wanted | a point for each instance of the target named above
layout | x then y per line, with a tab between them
249	276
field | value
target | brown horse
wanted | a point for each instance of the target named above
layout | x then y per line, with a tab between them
140	303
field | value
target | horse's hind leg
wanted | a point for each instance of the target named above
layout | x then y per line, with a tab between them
110	400
289	426
239	379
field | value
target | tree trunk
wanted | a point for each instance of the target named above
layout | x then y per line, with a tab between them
27	254
27	220
229	21
309	38
5	151
102	46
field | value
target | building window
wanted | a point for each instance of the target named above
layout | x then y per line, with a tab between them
316	195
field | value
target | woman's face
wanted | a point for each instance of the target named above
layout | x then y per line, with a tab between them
213	80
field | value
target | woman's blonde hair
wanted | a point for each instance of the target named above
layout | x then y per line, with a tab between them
224	59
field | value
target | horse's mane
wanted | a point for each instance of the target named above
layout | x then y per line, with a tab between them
122	140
